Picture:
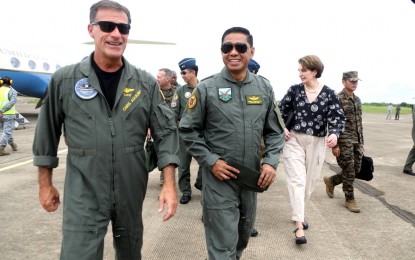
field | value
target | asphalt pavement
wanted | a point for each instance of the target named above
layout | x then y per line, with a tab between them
384	229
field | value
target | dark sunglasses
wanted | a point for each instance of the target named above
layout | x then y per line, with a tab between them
108	27
183	72
239	47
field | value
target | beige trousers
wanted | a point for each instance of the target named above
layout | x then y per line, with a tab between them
303	158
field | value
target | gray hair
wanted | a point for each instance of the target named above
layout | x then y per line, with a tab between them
168	72
107	4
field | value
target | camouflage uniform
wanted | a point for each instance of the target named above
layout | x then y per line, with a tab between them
350	143
8	120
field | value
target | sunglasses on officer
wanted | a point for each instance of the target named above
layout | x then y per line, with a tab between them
239	47
108	27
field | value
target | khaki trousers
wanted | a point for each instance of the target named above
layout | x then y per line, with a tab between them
303	158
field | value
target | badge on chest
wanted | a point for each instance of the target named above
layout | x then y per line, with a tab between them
254	100
225	94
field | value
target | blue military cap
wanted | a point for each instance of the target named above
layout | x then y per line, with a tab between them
187	63
253	66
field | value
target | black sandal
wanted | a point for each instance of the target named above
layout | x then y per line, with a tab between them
299	240
305	225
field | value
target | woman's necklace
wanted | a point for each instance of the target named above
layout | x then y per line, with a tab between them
312	91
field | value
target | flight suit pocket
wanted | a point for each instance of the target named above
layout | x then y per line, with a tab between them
93	229
280	121
80	241
165	121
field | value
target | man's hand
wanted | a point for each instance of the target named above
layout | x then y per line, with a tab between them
48	194
223	171
168	197
336	151
49	198
267	177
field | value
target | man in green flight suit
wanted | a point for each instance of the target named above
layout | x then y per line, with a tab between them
105	106
225	118
407	168
188	71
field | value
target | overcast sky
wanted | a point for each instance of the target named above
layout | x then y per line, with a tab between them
374	37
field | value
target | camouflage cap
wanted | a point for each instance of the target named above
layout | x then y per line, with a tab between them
351	76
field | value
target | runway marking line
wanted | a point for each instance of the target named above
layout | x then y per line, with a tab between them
26	162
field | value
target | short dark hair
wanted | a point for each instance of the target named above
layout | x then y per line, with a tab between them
107	4
242	30
195	68
312	62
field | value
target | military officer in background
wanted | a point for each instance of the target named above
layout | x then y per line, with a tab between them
253	67
188	71
169	93
8	99
349	148
407	168
225	118
174	80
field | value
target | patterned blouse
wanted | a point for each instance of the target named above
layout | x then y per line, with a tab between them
315	118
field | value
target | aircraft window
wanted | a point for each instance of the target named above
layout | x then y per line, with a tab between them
15	62
46	66
32	64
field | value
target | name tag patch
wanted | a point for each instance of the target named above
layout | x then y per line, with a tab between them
254	100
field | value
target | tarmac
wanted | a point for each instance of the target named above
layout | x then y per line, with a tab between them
384	229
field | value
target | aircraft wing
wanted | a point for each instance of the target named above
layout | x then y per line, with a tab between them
133	41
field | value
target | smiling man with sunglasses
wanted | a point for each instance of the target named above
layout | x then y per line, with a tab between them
226	116
105	105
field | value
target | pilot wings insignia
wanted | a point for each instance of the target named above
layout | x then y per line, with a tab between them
225	94
253	100
127	91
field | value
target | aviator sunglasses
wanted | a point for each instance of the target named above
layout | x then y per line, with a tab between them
108	27
239	47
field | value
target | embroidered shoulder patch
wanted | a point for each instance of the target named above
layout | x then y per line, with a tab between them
192	101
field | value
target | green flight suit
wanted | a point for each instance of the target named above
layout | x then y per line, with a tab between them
411	156
184	92
106	175
225	120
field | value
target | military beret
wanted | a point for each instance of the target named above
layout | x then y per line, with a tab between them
351	76
187	63
247	177
253	66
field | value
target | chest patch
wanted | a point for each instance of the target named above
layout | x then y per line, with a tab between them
192	101
84	90
225	94
127	92
254	100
